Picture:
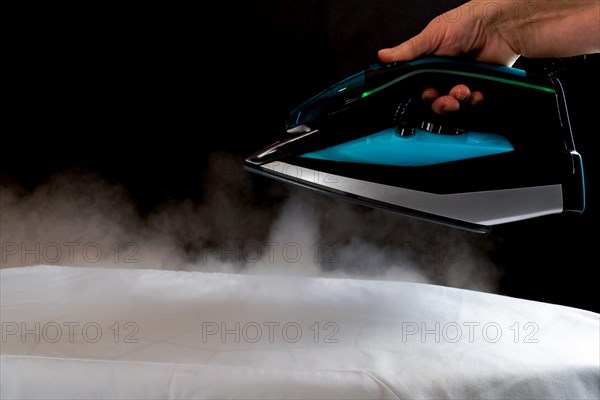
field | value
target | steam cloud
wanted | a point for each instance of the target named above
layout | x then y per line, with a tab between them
82	220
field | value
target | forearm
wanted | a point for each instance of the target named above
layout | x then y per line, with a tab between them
545	28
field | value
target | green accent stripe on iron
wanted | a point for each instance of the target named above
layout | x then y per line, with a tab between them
461	73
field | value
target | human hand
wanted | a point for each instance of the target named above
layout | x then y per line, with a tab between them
499	32
457	32
446	38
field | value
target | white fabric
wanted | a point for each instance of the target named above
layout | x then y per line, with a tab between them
375	347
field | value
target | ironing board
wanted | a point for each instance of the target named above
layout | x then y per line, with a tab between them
70	332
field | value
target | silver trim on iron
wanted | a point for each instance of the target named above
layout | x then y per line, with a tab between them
486	208
271	149
299	129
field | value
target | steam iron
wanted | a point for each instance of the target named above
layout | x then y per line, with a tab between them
371	139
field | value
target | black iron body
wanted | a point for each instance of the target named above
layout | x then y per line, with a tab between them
541	174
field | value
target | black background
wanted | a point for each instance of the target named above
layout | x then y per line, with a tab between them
142	96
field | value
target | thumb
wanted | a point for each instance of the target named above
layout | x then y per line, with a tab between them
409	50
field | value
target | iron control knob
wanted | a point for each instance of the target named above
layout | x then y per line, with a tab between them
405	129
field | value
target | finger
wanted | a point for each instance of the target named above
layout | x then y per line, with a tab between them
445	105
409	50
476	99
461	93
429	95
